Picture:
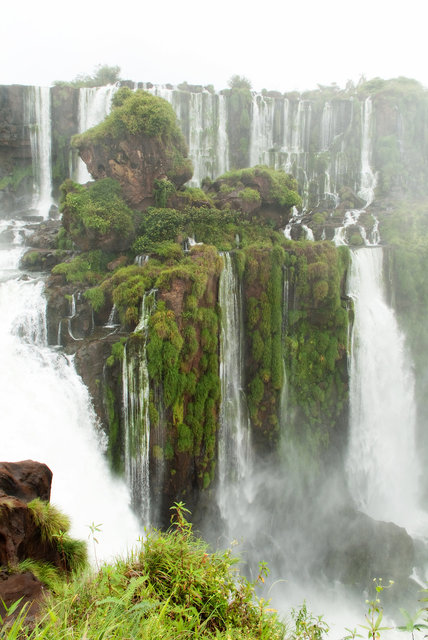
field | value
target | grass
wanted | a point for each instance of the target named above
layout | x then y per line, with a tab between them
170	587
54	526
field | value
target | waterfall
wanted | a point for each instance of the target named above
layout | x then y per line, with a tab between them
368	178
47	416
94	106
222	138
261	130
382	463
368	181
234	458
326	127
39	118
203	120
136	392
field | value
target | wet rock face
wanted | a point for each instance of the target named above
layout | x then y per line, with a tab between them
13	135
15	150
135	162
364	549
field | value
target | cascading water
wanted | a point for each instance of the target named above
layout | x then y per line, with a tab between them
94	106
136	391
39	118
47	415
234	459
382	462
203	119
261	130
368	178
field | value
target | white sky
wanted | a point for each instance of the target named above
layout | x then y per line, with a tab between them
276	44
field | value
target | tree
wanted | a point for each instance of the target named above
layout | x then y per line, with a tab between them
239	82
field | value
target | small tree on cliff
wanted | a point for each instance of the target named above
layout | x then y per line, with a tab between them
239	82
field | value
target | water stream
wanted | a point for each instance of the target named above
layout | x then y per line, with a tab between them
47	415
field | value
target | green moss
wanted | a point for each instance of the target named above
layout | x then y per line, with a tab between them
86	268
282	186
163	189
97	210
117	352
133	113
96	298
185	439
16	178
316	344
114	453
250	195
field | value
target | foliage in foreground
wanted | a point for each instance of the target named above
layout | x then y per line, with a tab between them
171	587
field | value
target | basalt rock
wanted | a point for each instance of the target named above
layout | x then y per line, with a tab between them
20	537
135	162
20	586
363	549
25	480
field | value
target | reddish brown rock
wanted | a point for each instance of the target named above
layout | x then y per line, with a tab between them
135	162
25	480
24	587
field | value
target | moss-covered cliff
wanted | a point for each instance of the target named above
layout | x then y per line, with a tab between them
294	330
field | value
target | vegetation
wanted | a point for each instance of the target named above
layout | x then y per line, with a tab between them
316	344
239	82
136	113
86	268
14	180
282	187
169	587
54	526
95	211
239	104
102	75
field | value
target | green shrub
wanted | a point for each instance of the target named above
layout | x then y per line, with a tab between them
133	113
98	208
95	297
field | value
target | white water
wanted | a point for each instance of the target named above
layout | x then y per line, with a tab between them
368	178
234	457
382	463
94	106
39	118
206	134
136	417
47	416
261	130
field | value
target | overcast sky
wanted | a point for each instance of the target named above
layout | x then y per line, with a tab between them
276	44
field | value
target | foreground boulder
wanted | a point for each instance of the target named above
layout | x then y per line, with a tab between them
31	530
25	480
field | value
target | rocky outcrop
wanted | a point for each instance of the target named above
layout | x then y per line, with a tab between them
135	162
20	537
25	480
31	529
14	135
362	549
260	193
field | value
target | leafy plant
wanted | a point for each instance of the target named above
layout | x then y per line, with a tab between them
374	615
306	625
